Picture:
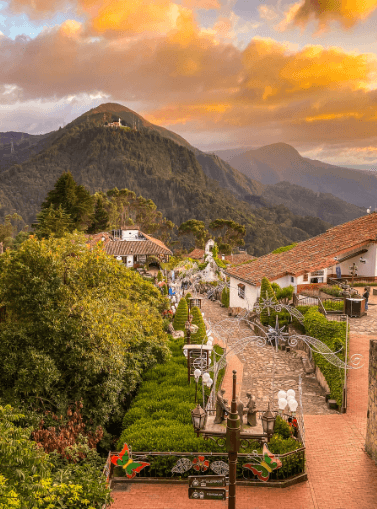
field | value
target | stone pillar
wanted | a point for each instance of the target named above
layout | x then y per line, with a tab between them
371	438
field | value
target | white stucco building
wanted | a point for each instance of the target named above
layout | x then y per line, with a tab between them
311	262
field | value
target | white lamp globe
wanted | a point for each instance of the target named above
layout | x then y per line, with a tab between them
209	361
290	397
292	405
282	403
282	395
291	392
206	377
197	373
185	352
210	382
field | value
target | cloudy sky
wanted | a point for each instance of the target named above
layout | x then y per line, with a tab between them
221	73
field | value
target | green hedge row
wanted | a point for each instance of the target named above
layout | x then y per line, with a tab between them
333	334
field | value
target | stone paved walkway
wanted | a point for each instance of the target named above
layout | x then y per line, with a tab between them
341	475
258	366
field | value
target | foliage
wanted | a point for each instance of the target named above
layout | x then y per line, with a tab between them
283	295
7	230
197	319
336	291
79	325
53	221
32	478
282	427
333	334
283	249
230	234
267	292
160	276
197	229
181	315
225	297
331	305
74	199
100	221
188	297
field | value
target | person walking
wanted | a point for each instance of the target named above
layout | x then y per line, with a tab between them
366	297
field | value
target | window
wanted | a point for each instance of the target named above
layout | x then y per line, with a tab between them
241	291
306	276
292	279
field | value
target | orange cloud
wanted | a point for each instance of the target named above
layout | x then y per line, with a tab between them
346	12
37	8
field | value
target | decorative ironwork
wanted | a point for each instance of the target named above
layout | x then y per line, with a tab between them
263	469
107	468
220	467
200	464
124	460
183	465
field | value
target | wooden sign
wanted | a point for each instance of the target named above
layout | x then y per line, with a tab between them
206	481
207	493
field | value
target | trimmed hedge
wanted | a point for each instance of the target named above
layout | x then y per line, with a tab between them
267	292
333	334
197	319
181	315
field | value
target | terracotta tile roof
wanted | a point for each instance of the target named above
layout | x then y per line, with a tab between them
196	254
151	246
236	259
93	239
137	247
312	254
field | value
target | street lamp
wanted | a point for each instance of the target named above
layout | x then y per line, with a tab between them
206	380
198	417
268	423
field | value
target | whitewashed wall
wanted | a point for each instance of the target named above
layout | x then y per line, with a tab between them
251	294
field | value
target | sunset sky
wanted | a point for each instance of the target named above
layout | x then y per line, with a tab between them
221	73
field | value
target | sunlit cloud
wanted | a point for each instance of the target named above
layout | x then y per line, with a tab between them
347	12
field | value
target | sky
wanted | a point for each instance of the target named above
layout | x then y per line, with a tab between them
221	73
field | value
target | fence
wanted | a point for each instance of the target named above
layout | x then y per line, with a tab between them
178	466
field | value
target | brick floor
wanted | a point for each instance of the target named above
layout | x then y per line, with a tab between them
341	475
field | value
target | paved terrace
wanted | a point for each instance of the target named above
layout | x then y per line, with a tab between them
340	474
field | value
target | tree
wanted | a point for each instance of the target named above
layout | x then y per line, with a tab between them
197	229
225	296
197	319
53	221
283	295
181	315
230	234
73	198
9	227
79	325
32	478
100	217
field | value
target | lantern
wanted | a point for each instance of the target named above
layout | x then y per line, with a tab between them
198	417
268	422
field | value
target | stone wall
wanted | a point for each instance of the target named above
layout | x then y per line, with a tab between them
371	439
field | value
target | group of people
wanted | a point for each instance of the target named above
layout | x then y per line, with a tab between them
222	409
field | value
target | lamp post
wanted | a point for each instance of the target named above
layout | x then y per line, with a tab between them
206	379
232	438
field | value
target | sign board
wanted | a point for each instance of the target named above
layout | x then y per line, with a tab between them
206	481
207	493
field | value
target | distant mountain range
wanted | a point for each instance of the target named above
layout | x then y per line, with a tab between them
183	181
280	162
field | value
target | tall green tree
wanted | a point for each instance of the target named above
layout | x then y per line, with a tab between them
197	229
53	221
73	198
9	227
230	234
100	217
79	325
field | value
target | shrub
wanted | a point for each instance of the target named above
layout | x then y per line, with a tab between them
181	315
267	292
333	334
335	291
197	319
284	248
159	276
225	296
188	297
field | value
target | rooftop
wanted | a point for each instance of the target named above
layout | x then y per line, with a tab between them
312	254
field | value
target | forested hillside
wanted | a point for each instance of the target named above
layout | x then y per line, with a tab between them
101	158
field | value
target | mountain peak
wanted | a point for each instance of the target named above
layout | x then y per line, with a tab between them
278	149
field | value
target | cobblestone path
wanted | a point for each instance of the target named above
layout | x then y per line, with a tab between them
340	474
258	367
